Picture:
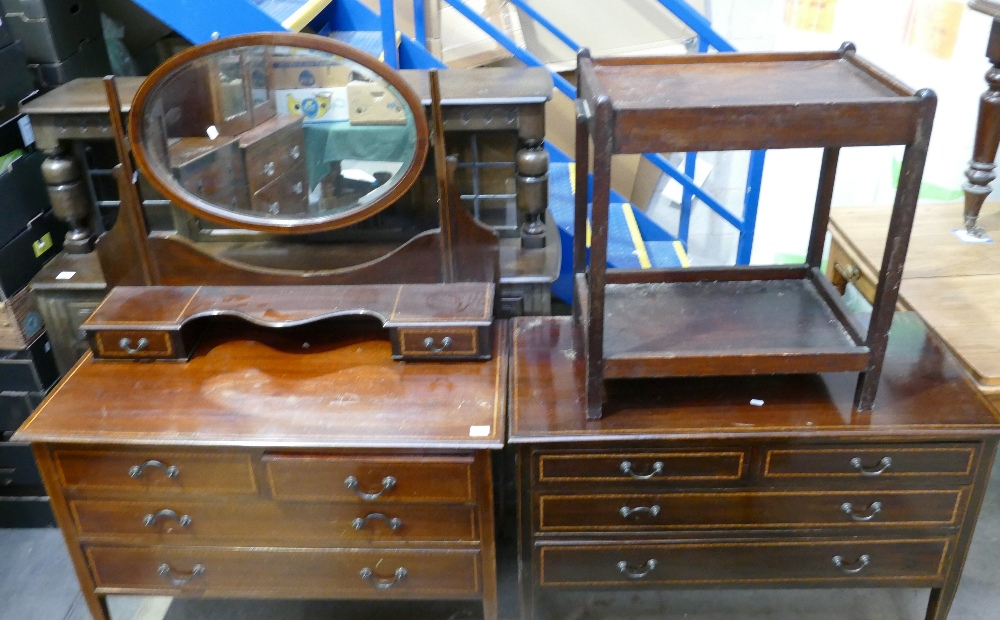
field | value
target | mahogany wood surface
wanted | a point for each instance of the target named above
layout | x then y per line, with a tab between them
264	388
170	307
746	101
732	102
923	392
903	563
276	573
698	328
745	482
597	514
275	523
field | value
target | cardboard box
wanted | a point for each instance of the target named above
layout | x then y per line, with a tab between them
15	80
22	189
29	370
52	30
20	320
6	38
15	407
91	60
305	72
314	105
21	259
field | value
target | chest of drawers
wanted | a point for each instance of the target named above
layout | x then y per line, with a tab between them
335	474
689	485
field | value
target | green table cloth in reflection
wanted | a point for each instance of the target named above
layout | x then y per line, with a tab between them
337	141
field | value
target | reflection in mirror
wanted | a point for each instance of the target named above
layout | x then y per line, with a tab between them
279	138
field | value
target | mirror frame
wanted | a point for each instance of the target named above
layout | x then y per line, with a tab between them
172	189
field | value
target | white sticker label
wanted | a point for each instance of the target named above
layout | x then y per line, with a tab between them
966	237
27	134
65	275
479	431
756	402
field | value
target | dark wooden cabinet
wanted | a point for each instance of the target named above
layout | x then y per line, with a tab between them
745	482
339	473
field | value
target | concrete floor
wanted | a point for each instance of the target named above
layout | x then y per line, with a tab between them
37	583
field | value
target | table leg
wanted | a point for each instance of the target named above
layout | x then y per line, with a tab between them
980	172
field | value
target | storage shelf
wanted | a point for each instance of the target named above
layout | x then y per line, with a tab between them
725	328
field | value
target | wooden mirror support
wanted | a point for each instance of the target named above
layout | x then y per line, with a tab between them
435	293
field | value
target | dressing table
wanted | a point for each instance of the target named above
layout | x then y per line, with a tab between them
237	431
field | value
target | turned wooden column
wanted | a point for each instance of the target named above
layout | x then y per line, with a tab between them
981	169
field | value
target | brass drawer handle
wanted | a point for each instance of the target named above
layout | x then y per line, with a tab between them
352	483
360	523
125	344
379	583
167	573
873	509
882	466
860	564
637	573
851	273
445	344
136	470
627	512
151	519
626	468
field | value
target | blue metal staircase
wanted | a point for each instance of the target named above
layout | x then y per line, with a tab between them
635	241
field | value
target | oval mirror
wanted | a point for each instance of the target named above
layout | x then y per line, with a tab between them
279	133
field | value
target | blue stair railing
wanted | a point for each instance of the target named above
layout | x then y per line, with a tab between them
351	21
707	39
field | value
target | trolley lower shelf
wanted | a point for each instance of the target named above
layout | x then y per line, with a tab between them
773	320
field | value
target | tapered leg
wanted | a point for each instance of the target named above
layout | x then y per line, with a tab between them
981	169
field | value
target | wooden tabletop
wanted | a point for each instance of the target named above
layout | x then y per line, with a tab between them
922	393
291	389
953	286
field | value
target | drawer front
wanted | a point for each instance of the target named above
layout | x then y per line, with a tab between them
735	510
646	467
261	523
287	194
137	344
266	161
439	341
155	471
370	479
766	563
294	572
951	463
17	466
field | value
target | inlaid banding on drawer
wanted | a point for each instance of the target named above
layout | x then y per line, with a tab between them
709	466
915	562
155	471
444	341
739	510
260	523
133	343
870	462
372	480
292	572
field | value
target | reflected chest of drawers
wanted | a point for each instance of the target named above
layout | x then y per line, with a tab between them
256	470
745	482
